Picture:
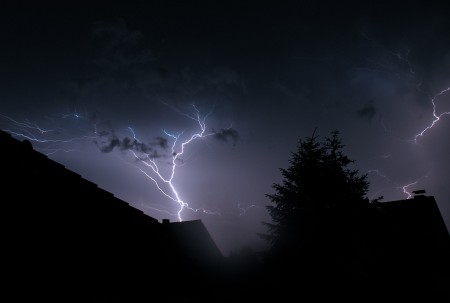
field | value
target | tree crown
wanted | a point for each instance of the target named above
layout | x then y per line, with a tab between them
317	183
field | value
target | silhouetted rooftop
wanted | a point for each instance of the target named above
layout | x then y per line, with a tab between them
64	232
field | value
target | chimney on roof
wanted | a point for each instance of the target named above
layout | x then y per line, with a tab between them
418	193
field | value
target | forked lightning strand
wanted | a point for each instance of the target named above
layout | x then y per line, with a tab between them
159	179
403	188
436	119
33	132
436	116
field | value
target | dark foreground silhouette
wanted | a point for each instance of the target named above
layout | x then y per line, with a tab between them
64	239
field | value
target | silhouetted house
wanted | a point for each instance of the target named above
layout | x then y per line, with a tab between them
411	248
416	225
64	236
193	239
394	251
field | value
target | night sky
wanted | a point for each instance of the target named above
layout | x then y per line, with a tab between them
106	89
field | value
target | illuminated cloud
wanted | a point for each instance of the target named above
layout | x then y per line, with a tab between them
227	135
108	141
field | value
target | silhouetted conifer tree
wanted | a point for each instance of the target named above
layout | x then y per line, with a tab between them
320	203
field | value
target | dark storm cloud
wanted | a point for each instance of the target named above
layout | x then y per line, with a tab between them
103	133
161	142
116	33
118	59
227	135
368	111
222	77
120	47
128	63
191	82
109	141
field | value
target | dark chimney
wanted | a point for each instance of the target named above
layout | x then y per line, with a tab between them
418	193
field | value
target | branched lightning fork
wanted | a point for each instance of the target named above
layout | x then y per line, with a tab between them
34	133
403	188
177	150
436	116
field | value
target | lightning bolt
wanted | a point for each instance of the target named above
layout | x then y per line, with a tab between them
400	57
437	117
405	59
34	133
157	209
403	188
405	71
178	147
244	210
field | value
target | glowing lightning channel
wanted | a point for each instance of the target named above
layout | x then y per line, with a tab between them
243	210
409	195
436	117
406	186
159	179
27	125
397	186
33	132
